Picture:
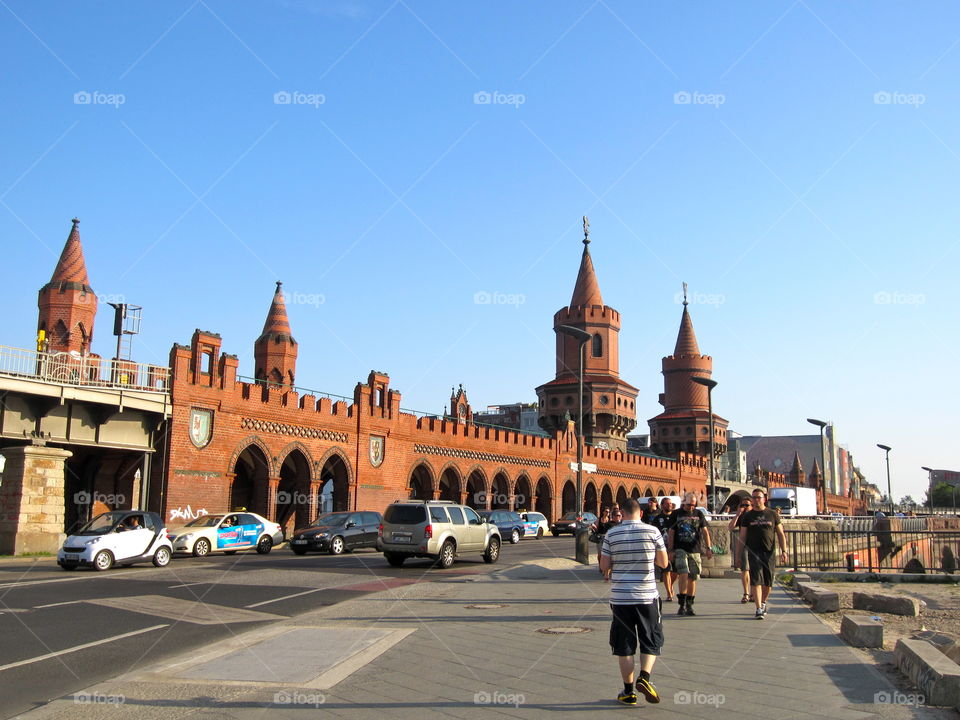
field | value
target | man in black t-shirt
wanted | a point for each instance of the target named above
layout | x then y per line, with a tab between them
661	521
686	531
649	510
760	529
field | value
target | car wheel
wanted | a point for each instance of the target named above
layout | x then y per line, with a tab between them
492	553
336	546
447	555
161	557
299	550
514	537
555	533
265	545
69	566
103	560
201	547
395	559
539	533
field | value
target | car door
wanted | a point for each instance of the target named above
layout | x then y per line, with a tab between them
353	531
251	529
130	543
371	528
229	533
477	532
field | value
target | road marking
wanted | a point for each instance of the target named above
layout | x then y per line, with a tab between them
286	597
38	582
68	602
40	658
170	587
185	611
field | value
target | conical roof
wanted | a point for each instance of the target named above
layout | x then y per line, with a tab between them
816	472
686	338
797	468
71	268
277	322
587	289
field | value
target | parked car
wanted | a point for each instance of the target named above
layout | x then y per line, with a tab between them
226	533
509	523
568	523
534	524
337	532
436	529
121	537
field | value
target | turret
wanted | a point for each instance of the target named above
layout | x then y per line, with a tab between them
275	351
68	306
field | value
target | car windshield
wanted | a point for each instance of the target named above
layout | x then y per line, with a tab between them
571	516
330	519
205	521
102	524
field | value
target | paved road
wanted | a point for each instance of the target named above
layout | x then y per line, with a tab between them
65	631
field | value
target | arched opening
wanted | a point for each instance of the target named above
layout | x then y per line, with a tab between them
500	494
568	499
590	499
597	345
635	493
606	496
522	494
293	501
622	496
249	487
450	485
544	504
477	490
421	483
649	493
334	486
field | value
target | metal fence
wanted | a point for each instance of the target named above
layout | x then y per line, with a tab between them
917	551
83	370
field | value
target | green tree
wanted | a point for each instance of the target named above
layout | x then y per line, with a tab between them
943	495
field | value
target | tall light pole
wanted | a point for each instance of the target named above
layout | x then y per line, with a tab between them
821	424
582	337
886	449
710	385
930	485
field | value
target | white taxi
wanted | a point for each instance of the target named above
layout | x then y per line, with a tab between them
227	533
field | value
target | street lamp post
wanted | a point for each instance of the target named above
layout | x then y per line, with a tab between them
710	385
582	337
886	449
823	462
930	486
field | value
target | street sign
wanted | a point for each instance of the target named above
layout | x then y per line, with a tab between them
587	467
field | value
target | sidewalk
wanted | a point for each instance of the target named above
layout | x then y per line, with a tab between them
425	653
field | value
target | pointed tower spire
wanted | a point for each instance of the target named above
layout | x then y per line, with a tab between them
277	321
587	290
816	475
275	351
686	338
796	476
71	268
68	306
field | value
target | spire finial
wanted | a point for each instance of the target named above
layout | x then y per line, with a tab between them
586	230
279	285
75	221
685	295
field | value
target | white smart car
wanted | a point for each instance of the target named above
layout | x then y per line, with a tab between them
228	533
121	537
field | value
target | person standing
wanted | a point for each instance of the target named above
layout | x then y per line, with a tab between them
629	553
738	550
760	529
661	521
599	529
688	529
649	510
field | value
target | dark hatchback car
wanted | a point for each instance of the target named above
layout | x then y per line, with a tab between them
337	532
568	523
509	523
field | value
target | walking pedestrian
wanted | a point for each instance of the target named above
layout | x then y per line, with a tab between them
688	529
599	529
738	549
661	521
760	529
629	553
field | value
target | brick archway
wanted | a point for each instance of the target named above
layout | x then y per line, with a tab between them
522	493
477	489
449	485
421	484
335	479
544	502
250	470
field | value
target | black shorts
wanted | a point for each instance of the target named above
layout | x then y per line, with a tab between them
636	626
762	565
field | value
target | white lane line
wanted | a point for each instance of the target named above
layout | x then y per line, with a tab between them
38	582
285	597
207	582
68	602
40	658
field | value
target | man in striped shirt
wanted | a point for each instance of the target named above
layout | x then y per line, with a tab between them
628	555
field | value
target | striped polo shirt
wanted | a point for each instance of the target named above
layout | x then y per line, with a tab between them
631	546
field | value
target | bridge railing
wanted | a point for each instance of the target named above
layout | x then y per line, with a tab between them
83	370
874	550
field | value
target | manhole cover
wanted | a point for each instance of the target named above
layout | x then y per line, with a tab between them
486	606
563	630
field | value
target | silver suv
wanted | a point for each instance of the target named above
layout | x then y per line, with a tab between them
436	529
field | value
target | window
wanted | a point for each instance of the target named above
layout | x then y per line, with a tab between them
456	516
438	514
405	514
597	345
472	517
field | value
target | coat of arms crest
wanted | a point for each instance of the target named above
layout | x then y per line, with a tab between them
377	450
201	427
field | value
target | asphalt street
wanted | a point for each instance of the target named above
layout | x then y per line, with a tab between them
61	632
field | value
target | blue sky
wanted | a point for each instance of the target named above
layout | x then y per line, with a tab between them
796	163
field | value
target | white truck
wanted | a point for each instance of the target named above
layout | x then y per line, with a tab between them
793	501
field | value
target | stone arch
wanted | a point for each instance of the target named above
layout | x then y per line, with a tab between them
544	504
476	488
499	498
606	496
297	445
251	472
522	493
450	483
590	499
259	442
568	497
421	483
621	496
294	502
635	492
335	475
649	492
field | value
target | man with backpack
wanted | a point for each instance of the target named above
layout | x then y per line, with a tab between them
688	529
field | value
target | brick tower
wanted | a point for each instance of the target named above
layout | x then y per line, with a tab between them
796	476
275	351
609	403
67	304
684	424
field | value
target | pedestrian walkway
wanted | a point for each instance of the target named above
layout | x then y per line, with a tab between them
528	642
